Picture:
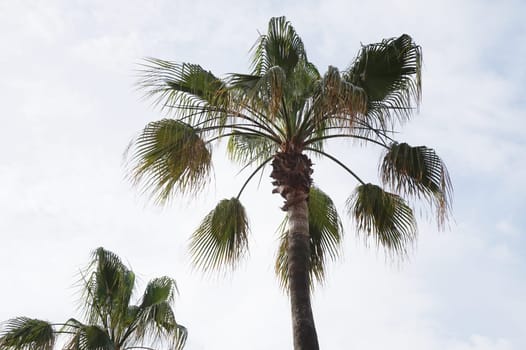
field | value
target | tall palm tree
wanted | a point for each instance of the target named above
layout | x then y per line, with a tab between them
111	322
279	114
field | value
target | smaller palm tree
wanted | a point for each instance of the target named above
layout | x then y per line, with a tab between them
111	322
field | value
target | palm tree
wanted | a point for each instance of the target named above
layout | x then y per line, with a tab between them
112	323
279	114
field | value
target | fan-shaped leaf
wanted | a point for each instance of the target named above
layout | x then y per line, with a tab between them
162	289
383	217
281	46
108	287
247	149
23	333
418	171
221	239
325	230
90	338
170	156
186	87
389	72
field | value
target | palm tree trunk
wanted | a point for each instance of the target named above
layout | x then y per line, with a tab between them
291	171
298	252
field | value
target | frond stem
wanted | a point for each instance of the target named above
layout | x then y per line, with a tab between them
252	175
252	133
316	139
337	162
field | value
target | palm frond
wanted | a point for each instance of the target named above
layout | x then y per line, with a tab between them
90	337
23	333
389	72
325	230
162	289
107	289
383	217
301	86
179	337
337	101
183	87
418	171
248	148
169	157
156	319
221	239
281	46
263	93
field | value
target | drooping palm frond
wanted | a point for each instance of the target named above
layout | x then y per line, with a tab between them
337	101
23	333
281	46
389	72
221	239
156	322
382	217
325	230
169	156
418	171
155	317
187	89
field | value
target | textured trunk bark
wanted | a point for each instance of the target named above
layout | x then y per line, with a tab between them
292	171
298	251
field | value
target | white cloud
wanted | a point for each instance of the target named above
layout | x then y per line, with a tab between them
478	342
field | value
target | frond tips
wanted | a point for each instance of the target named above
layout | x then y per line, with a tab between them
390	74
23	333
180	86
169	156
222	238
383	217
281	46
418	171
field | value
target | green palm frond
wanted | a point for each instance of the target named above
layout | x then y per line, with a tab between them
418	171
23	333
383	217
281	46
389	72
185	87
300	88
325	230
221	239
169	156
154	321
162	289
246	149
107	288
90	337
155	318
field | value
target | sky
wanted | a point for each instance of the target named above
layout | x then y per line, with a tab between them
69	108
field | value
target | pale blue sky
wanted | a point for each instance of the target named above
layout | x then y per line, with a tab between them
69	109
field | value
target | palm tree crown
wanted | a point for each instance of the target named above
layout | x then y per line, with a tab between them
279	114
112	323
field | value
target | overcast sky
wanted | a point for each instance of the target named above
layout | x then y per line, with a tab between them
69	109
